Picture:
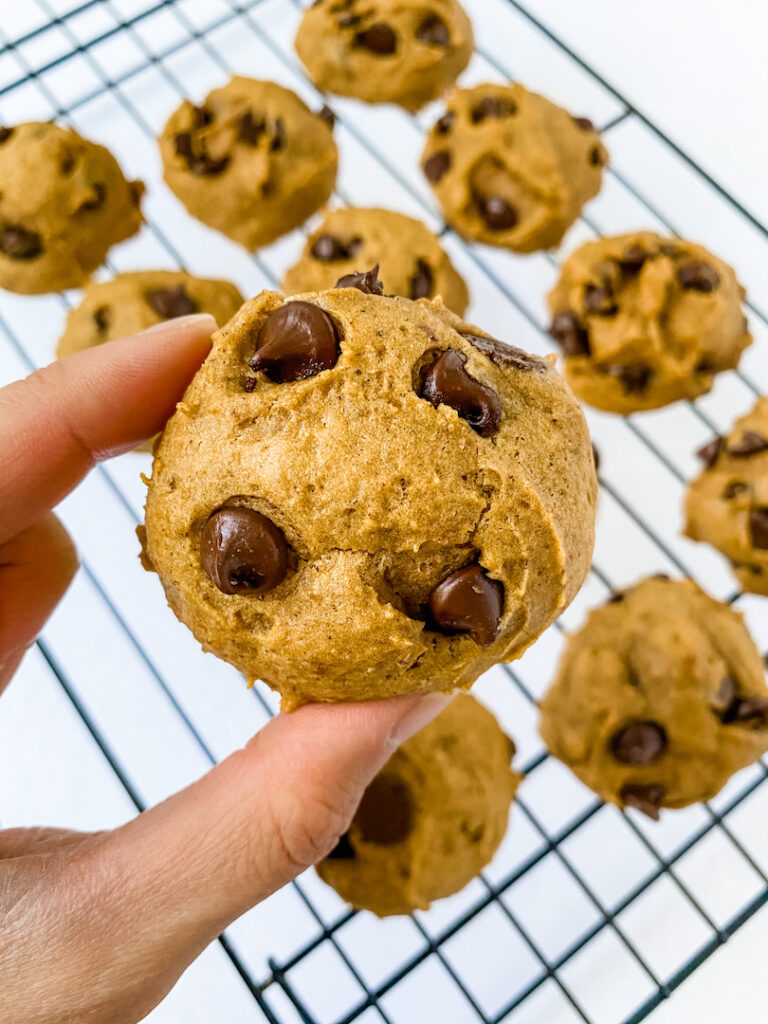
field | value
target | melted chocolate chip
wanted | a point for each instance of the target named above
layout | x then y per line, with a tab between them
596	158
101	317
20	244
96	200
278	135
634	379
647	799
444	125
367	282
751	443
422	283
386	812
469	602
434	32
747	710
436	165
698	276
243	552
584	123
343	850
297	341
569	334
710	453
378	39
171	302
327	115
250	128
492	106
498	214
639	743
758	528
5	134
734	489
505	355
330	249
444	381
600	300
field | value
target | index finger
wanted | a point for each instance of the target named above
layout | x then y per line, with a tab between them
59	421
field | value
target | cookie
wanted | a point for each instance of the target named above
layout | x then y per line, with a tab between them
385	51
727	505
362	495
132	302
510	168
63	204
409	256
431	819
644	321
253	161
659	698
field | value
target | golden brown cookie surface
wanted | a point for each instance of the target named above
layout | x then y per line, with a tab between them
727	505
510	168
410	258
644	321
63	204
433	817
659	698
134	301
252	161
362	495
386	51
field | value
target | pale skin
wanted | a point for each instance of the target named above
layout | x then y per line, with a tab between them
96	928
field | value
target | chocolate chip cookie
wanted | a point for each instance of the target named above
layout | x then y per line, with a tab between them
252	161
727	505
659	698
385	51
644	321
431	819
362	495
133	302
510	168
410	257
63	204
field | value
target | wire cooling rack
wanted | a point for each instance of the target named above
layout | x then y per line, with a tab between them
586	914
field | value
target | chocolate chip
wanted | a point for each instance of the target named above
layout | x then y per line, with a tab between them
327	115
639	743
297	341
492	106
278	135
5	134
250	128
386	812
171	302
96	200
469	602
505	355
758	528
434	32
600	300
444	125
198	163
569	334
367	282
584	123
67	164
20	244
330	249
734	489
444	381
102	318
422	283
379	39
498	214
743	710
647	799
633	378
135	191
751	443
243	552
617	596
436	165
698	276
202	117
343	850
632	259
710	453
596	457
596	158
249	384
349	20
183	143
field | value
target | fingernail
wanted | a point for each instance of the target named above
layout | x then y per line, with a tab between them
181	321
418	715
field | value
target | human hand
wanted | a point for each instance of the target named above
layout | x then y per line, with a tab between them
95	928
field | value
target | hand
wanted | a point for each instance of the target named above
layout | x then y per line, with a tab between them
96	928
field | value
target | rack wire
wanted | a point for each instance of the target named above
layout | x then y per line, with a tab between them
578	890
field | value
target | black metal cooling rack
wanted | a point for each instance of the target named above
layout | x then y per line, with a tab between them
59	37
